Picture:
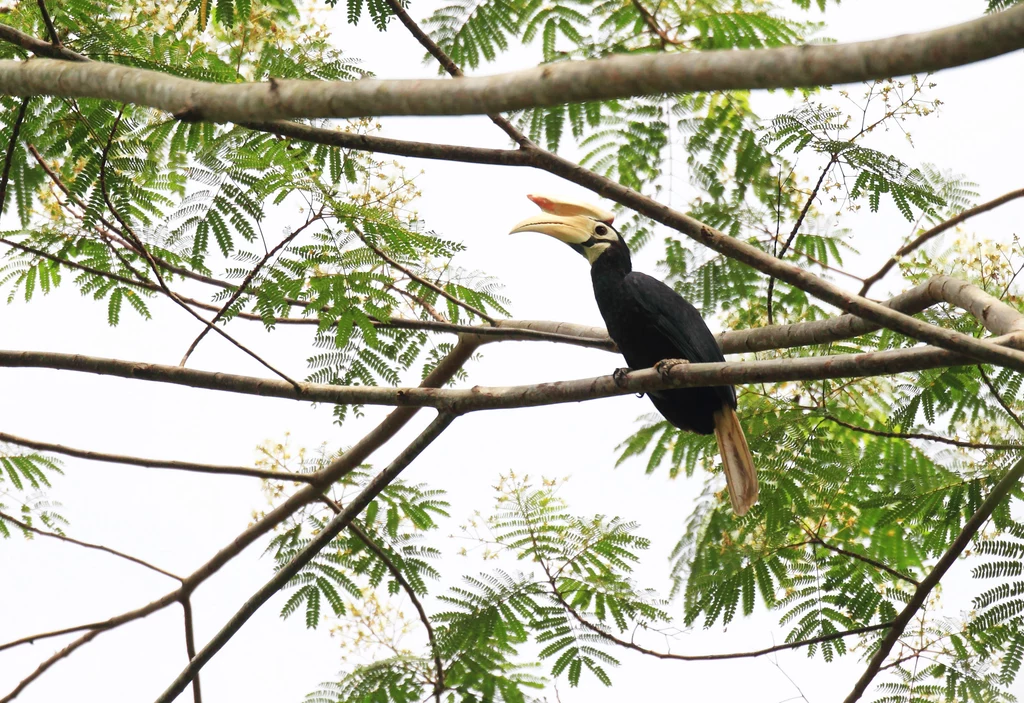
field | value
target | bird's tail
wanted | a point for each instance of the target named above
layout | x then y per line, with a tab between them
740	474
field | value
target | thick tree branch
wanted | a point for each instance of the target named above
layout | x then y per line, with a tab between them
156	463
921	593
460	401
569	81
319	542
88	545
935	231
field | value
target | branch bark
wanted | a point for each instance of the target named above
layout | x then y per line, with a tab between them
570	81
459	401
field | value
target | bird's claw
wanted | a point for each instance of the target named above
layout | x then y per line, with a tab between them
620	376
665	366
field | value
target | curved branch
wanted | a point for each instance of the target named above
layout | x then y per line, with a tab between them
569	81
156	463
88	545
926	437
917	600
934	232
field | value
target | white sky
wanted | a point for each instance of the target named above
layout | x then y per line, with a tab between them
179	520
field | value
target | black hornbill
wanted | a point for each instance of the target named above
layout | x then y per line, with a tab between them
650	322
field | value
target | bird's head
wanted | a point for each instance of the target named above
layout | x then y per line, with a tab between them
584	227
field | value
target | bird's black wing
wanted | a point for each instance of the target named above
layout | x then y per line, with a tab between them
675	318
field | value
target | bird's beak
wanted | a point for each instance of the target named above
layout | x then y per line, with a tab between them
559	206
572	229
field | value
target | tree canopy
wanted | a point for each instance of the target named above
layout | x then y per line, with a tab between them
147	146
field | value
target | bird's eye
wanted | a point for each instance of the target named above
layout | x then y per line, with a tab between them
601	229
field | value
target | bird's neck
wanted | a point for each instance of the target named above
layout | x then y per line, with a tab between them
612	265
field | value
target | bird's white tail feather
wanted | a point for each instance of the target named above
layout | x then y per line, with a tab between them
740	474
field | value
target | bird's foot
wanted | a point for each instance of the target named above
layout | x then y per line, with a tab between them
620	376
665	366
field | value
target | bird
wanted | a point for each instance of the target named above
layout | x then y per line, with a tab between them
650	322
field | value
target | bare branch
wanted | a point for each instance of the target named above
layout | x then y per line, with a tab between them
568	81
934	232
190	647
156	463
1006	484
42	668
683	375
88	545
318	542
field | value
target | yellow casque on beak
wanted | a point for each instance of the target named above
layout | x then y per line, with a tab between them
572	229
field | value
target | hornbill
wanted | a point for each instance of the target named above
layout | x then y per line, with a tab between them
650	322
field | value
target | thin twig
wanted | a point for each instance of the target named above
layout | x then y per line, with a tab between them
42	668
796	229
451	67
50	28
999	398
920	595
321	540
419	279
355	529
11	146
815	538
248	279
156	463
926	437
934	232
88	545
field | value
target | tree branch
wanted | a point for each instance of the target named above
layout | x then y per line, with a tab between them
190	647
88	545
409	591
554	84
246	281
419	279
50	28
926	437
934	232
318	542
42	668
917	600
684	375
11	146
156	463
